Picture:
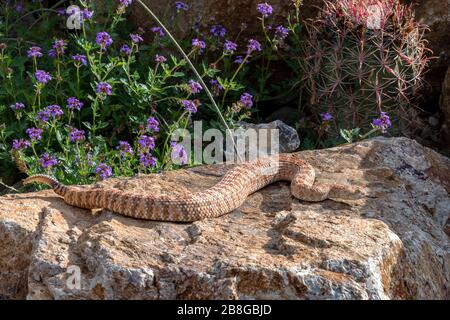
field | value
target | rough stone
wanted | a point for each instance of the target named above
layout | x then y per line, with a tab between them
391	244
289	140
445	109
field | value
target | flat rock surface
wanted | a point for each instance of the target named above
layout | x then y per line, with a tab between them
392	243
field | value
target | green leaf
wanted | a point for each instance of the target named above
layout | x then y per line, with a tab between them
87	125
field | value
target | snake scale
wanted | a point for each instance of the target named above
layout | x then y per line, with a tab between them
228	194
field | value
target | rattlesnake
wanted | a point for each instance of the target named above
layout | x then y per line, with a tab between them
227	195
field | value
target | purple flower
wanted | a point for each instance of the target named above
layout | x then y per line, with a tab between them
104	88
54	110
48	161
17	106
74	103
326	116
58	48
42	76
158	31
52	53
43	116
61	12
80	59
76	135
35	134
136	38
125	50
281	33
218	31
19	8
160	59
34	52
125	149
103	39
103	171
216	87
20	144
87	14
199	44
146	142
147	160
179	155
152	124
265	9
383	122
229	47
239	59
195	86
253	45
189	105
180	5
246	100
125	3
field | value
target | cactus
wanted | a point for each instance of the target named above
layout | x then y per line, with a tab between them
362	57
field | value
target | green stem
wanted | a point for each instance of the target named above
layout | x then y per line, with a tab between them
78	81
234	77
177	45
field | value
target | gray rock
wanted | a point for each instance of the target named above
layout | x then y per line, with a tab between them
289	140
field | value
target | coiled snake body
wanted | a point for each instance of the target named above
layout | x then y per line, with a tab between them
227	195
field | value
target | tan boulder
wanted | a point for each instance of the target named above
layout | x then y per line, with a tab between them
390	244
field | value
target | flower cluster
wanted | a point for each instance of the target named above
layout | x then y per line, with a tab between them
179	155
103	171
229	47
17	106
195	87
253	46
135	38
74	104
125	50
125	149
34	52
104	40
199	44
35	134
218	31
80	60
53	111
104	89
42	76
152	124
48	161
19	144
73	118
76	135
190	106
383	122
160	59
246	100
265	9
58	48
326	116
180	5
158	31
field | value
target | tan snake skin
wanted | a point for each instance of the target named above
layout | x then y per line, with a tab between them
227	195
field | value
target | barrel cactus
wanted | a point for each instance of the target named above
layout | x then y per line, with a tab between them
364	57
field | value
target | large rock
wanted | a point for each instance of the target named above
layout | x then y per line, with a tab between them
390	244
436	14
206	13
288	141
445	109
